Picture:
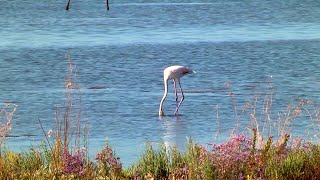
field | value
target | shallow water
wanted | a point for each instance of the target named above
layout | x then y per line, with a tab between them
254	47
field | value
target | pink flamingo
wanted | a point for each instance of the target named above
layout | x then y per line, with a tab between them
174	73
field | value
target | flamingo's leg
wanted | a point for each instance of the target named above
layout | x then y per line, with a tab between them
175	91
176	113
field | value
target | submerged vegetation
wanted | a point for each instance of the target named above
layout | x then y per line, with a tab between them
63	153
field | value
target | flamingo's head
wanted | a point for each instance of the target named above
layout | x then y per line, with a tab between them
186	71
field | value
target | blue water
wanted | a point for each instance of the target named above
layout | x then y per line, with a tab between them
254	48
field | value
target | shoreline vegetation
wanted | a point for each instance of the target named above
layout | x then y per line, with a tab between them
63	153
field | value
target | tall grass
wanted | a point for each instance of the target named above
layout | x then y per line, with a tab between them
258	113
236	159
6	115
69	152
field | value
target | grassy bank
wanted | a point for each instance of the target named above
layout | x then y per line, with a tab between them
64	153
237	158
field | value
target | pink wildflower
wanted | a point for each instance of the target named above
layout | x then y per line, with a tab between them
74	163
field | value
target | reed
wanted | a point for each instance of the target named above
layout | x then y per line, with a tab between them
6	115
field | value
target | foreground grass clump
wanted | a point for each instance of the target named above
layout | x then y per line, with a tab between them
237	158
42	163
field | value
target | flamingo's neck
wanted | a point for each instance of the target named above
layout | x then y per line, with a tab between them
164	97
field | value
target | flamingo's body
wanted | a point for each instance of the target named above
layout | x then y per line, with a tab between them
174	73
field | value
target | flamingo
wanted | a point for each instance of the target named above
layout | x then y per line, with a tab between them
174	73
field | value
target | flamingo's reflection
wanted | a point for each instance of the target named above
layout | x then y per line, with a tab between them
175	132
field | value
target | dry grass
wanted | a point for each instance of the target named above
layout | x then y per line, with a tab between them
6	115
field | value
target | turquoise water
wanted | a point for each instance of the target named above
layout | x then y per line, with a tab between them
256	47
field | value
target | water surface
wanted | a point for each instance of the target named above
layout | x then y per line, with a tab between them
247	48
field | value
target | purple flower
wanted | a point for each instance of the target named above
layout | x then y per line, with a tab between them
107	156
232	157
74	163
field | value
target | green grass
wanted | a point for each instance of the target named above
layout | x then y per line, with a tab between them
230	160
